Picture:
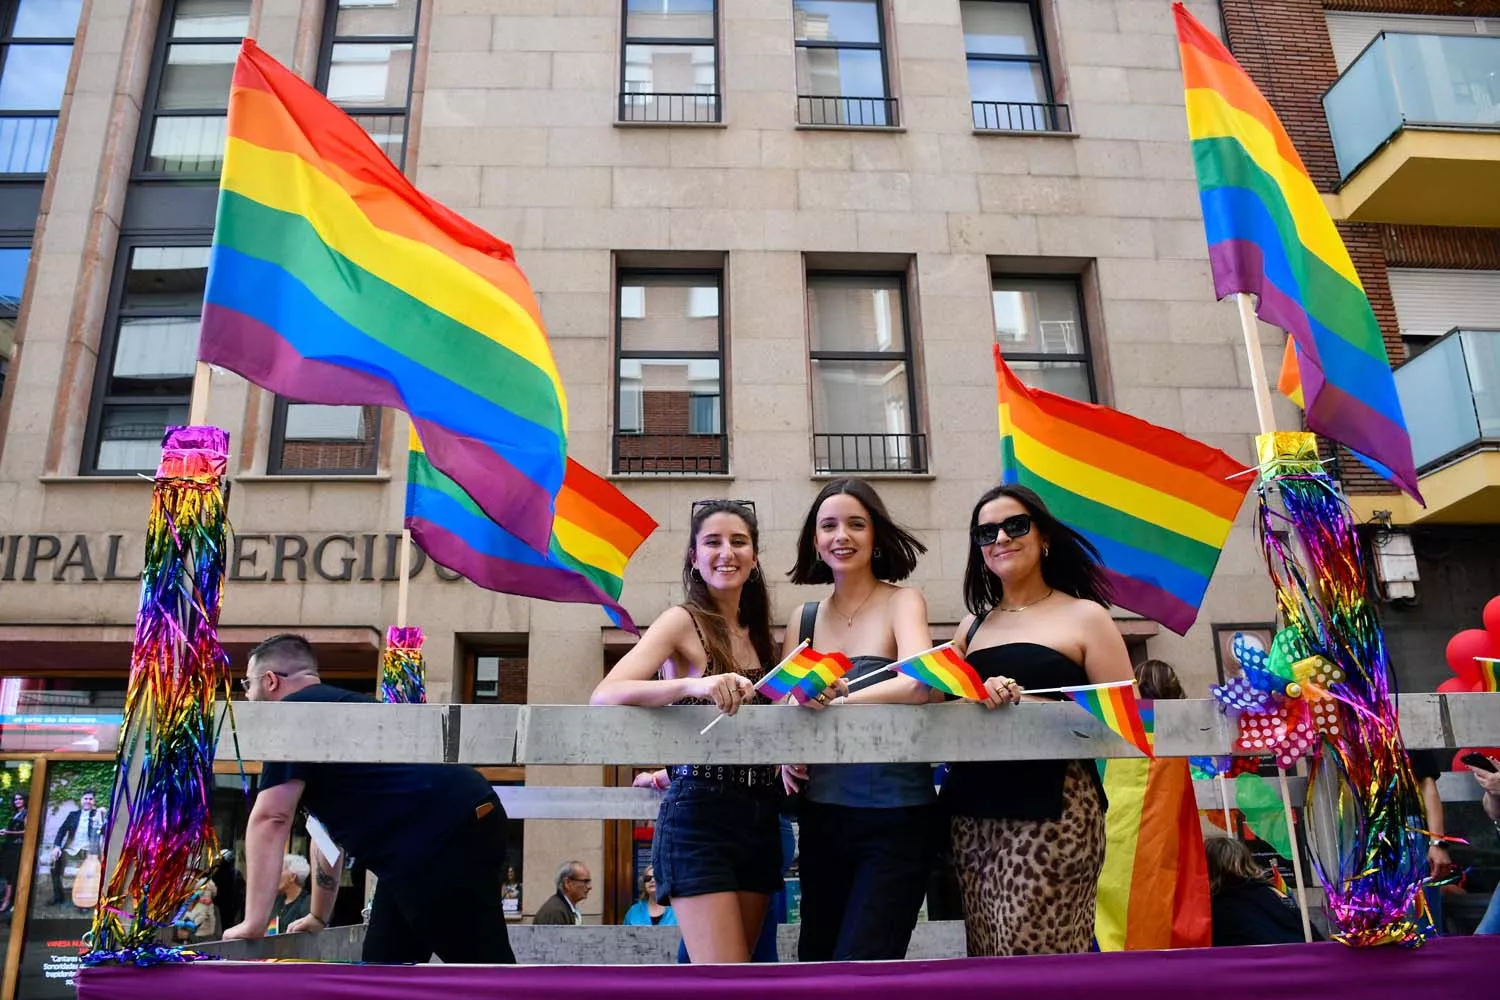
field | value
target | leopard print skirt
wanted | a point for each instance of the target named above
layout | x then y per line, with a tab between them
1029	885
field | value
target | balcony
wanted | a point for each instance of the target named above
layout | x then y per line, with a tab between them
1416	128
1450	394
671	454
849	112
1017	116
864	453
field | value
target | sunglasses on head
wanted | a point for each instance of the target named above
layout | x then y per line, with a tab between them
700	504
988	533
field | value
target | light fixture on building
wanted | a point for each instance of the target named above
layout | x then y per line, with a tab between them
1396	565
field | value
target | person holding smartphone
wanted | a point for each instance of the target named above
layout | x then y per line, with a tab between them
1486	771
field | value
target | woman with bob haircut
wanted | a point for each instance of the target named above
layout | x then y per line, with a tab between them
1028	836
867	841
717	851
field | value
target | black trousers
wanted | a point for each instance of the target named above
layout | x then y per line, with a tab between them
448	904
864	873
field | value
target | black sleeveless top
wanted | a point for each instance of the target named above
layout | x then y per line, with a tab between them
754	775
1016	789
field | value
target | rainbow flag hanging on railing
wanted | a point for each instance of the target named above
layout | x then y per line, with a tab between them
596	531
941	667
1270	235
805	675
333	280
1153	889
1128	717
1156	504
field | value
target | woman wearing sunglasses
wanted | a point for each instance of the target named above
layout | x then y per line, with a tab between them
717	852
1028	836
867	843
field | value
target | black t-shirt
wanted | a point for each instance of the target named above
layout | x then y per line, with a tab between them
1429	763
386	815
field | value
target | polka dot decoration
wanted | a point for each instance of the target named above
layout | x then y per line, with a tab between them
1239	694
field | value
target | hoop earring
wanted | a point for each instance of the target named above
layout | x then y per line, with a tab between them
696	575
876	554
755	572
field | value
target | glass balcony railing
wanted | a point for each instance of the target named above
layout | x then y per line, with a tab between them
1450	394
1412	81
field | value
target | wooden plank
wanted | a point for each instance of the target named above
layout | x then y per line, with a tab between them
582	735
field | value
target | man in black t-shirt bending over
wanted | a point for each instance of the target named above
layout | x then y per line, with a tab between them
433	834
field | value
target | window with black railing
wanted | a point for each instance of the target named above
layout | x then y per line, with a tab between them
365	67
669	67
145	374
864	397
841	67
1009	80
36	49
187	97
1040	329
669	400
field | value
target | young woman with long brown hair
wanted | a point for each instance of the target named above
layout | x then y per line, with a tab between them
717	852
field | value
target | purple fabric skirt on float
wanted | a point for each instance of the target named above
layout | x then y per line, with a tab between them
1455	968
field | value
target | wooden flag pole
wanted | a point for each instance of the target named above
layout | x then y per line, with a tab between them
1261	387
403	581
198	406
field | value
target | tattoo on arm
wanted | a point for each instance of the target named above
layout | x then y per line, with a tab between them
326	879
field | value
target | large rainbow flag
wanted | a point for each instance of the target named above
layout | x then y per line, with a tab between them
1156	504
333	280
596	531
1270	235
1153	890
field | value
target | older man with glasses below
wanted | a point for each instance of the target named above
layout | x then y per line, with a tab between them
433	834
573	887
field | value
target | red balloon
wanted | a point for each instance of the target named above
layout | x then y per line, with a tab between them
1457	685
1462	649
1492	620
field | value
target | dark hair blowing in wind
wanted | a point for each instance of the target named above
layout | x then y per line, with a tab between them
755	600
1071	563
896	549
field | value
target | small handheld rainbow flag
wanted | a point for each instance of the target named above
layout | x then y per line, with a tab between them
1116	705
1489	673
941	667
805	675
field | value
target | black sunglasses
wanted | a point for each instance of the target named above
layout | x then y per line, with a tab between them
988	533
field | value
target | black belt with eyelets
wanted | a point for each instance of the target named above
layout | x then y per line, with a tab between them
742	775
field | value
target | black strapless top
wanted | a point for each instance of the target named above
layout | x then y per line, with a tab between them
1016	789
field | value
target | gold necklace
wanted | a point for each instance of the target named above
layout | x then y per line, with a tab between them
849	619
1016	611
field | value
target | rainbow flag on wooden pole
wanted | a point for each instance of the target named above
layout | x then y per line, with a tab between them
1271	236
1156	504
333	280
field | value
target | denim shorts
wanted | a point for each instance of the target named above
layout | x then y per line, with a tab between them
713	836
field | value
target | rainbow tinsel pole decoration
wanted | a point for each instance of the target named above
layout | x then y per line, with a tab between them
1364	809
403	679
160	834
